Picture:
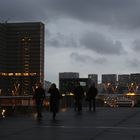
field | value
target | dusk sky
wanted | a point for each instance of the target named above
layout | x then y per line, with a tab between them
85	36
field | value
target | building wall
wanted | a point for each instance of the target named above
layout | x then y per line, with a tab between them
93	78
123	79
109	78
2	47
135	78
25	53
66	75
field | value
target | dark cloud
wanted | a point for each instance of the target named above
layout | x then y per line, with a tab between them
100	44
85	59
60	40
136	46
122	13
22	10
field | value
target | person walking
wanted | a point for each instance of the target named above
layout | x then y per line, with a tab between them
78	96
91	96
39	96
54	99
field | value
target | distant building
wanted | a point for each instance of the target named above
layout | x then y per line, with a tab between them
109	78
66	75
135	78
109	82
123	83
123	79
67	85
21	57
93	78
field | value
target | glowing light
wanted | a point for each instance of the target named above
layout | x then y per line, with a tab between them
105	102
10	74
4	74
3	113
131	94
132	84
63	95
32	74
26	74
17	74
71	94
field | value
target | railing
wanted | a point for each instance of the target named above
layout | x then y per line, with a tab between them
18	104
19	101
66	101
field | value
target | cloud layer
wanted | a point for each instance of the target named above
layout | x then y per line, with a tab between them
87	36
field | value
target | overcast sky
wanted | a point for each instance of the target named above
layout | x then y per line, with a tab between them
85	36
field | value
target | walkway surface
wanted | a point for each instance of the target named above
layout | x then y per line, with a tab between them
104	124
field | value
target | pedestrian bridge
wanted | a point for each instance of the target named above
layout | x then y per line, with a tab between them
104	124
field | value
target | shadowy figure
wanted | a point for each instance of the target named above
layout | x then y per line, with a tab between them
91	96
39	96
78	96
54	99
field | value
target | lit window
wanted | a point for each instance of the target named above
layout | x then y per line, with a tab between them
18	74
32	74
10	74
26	74
4	74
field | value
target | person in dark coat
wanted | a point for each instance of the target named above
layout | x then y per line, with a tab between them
39	96
78	96
54	99
91	96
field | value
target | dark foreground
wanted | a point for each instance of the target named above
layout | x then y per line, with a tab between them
104	124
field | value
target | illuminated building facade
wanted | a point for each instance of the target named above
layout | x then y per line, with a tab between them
21	57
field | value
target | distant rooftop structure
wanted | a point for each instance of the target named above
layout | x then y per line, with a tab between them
68	75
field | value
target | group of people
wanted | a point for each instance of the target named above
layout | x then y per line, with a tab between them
39	96
90	97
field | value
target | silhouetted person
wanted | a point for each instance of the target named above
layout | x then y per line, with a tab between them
39	96
91	96
78	96
54	99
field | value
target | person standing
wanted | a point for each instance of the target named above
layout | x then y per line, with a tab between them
91	96
39	96
54	99
78	96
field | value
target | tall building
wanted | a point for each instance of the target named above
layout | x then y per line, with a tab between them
21	57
